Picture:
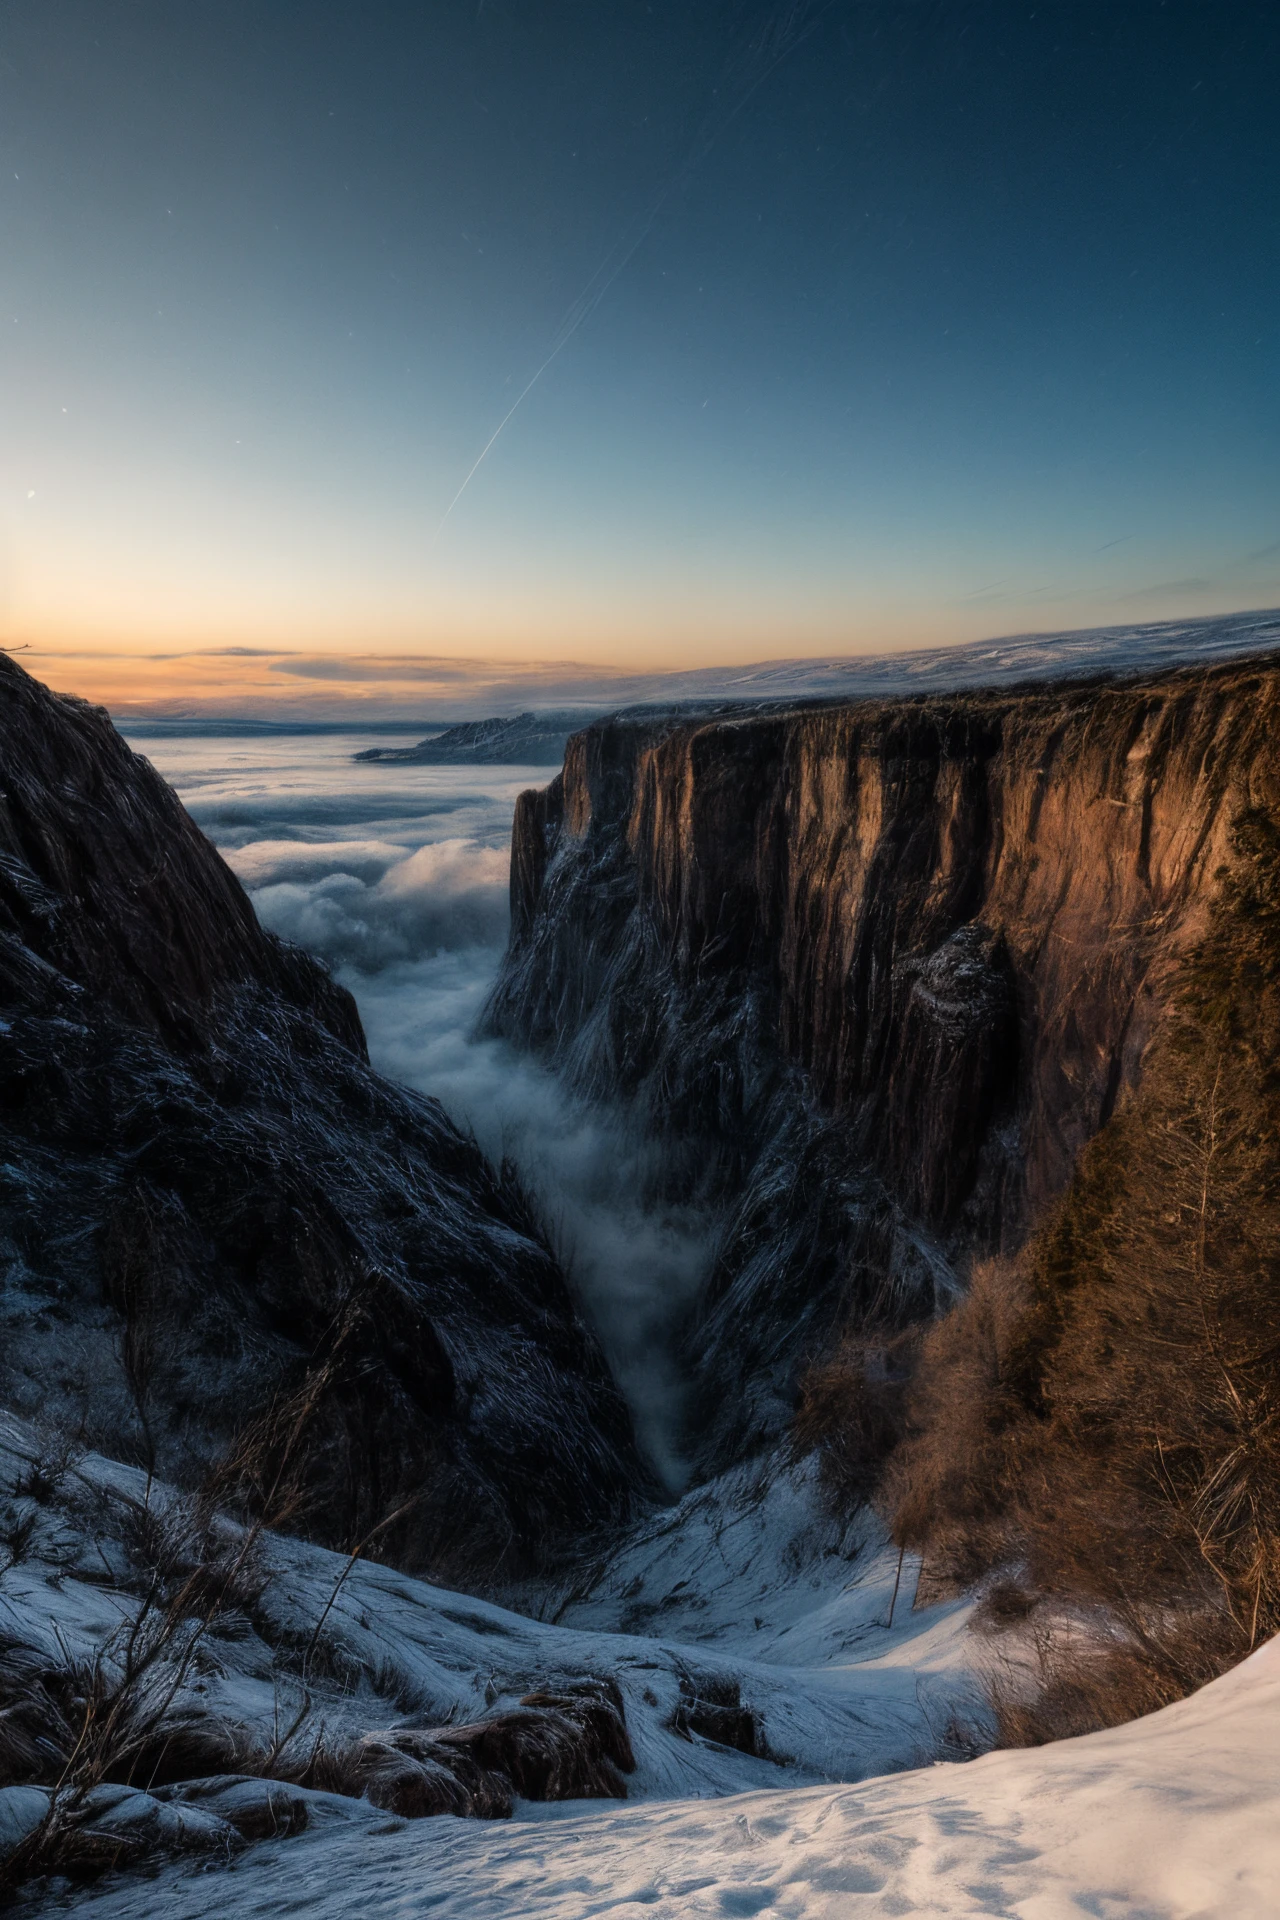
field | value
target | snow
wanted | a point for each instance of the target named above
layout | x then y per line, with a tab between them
21	1811
743	1598
744	1591
1175	1815
744	1586
1146	647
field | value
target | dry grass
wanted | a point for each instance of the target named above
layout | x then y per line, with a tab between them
128	1716
853	1410
566	1745
125	1716
1104	1412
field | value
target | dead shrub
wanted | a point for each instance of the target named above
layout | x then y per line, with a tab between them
949	1484
1102	1413
1086	1675
45	1470
180	1550
852	1410
1106	1410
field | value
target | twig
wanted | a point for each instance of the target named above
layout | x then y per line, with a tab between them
896	1578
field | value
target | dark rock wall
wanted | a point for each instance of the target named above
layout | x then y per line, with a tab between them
107	879
205	1192
876	970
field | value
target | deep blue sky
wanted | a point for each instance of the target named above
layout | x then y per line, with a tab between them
941	319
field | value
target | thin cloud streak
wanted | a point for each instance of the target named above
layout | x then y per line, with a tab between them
781	34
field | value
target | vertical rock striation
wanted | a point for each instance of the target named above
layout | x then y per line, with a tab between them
875	971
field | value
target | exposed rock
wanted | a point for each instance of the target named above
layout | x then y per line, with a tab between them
711	1709
874	971
553	1746
204	1190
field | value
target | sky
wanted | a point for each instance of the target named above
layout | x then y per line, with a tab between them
624	336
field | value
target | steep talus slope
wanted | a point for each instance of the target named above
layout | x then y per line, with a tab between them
207	1197
876	971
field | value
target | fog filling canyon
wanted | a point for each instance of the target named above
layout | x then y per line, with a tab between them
397	877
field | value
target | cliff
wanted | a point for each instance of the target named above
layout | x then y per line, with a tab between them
209	1200
874	971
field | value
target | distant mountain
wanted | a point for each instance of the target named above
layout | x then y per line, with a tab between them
524	740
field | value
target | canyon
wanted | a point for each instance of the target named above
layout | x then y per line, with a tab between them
855	983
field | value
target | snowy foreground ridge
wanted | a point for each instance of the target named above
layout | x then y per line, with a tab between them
744	1591
1175	1815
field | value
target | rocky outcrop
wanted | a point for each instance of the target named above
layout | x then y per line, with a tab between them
875	971
207	1198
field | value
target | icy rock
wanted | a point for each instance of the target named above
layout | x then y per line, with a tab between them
257	1809
21	1811
118	1826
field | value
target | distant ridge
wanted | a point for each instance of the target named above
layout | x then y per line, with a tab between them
425	694
1145	648
524	740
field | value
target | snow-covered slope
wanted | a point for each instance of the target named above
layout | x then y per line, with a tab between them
1009	660
739	1615
1174	1816
745	1636
743	1609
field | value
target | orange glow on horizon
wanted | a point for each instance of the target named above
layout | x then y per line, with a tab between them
325	682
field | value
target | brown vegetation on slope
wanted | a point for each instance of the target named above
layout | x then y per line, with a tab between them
1102	1414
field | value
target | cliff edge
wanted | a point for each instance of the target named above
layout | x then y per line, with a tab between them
874	971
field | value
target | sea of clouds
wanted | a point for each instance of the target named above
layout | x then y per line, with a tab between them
396	876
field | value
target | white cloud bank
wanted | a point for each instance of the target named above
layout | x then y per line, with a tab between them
398	879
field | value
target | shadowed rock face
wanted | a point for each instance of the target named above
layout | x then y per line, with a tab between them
876	970
205	1191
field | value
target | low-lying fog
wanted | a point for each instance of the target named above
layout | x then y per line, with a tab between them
396	876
